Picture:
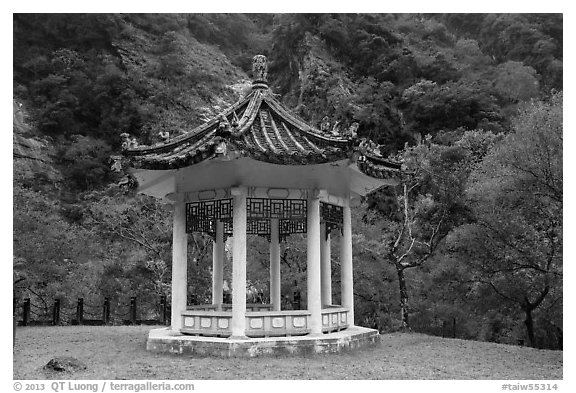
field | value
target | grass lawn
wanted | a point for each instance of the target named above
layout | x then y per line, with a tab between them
119	352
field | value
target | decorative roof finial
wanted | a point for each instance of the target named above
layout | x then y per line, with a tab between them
259	71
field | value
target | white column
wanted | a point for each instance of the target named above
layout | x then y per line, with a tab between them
313	265
346	265
325	265
275	299
218	263
239	264
179	262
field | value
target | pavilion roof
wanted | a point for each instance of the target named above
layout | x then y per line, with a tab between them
259	127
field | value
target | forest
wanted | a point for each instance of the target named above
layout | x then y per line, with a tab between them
469	245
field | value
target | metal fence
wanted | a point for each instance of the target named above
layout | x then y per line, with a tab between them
133	311
83	313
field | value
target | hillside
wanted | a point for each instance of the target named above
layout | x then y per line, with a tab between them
470	103
116	353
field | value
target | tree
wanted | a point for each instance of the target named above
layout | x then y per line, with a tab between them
408	230
515	243
373	107
430	107
516	81
141	221
49	252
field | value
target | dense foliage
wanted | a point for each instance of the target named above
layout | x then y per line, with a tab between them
469	244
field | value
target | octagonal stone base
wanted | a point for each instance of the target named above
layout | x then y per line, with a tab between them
166	341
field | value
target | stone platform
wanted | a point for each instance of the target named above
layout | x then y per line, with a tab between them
166	341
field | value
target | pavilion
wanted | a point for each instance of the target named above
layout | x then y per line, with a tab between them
258	169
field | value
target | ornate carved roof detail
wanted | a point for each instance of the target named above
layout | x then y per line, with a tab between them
378	167
260	127
259	69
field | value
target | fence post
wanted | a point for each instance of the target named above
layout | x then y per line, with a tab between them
453	327
80	311
106	311
56	312
133	310
227	298
163	309
26	312
14	319
297	300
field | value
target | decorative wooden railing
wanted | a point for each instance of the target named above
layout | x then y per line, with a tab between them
209	321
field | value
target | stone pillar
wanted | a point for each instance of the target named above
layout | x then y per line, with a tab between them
313	264
325	265
346	265
275	298
239	264
179	263
218	264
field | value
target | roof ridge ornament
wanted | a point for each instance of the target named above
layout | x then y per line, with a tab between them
259	72
128	142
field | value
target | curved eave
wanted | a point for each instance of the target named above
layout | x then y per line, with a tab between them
182	161
176	162
192	135
312	158
379	168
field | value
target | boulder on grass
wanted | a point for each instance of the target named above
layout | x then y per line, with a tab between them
65	364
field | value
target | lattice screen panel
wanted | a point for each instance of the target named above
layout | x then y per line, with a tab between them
291	214
333	215
258	227
288	227
201	216
264	208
